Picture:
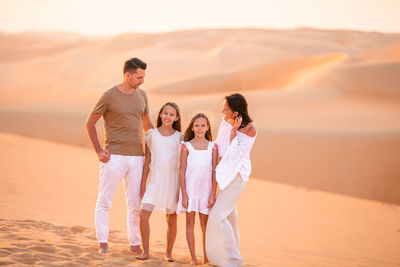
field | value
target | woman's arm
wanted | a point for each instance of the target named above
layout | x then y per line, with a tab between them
211	199
146	170
182	171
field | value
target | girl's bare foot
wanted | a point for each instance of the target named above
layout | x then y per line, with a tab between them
143	257
168	258
194	262
136	250
103	248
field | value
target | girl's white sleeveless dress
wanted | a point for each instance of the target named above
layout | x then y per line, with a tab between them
198	178
163	180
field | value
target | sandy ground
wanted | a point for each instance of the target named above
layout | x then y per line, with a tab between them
47	203
325	186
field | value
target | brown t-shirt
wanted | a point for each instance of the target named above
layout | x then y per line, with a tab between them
123	116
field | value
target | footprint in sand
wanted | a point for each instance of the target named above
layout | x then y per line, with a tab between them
4	253
61	230
45	225
71	248
5	263
19	245
90	256
78	229
65	254
23	238
91	237
47	249
14	249
26	258
70	240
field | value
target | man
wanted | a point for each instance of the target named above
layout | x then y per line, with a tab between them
125	112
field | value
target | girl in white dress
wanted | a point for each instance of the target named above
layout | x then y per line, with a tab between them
198	185
235	140
160	181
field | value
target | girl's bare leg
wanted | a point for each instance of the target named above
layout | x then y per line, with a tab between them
203	224
145	233
190	218
171	235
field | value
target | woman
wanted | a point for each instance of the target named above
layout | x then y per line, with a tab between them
235	139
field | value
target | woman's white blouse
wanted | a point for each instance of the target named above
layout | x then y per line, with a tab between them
223	138
235	156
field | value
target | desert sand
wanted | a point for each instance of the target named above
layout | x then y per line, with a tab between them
325	186
47	208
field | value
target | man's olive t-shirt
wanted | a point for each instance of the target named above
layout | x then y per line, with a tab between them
123	116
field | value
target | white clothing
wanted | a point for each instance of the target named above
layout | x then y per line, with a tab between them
232	174
236	157
222	234
163	180
130	169
223	137
198	178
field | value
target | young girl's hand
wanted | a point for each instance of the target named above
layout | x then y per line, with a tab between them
211	201
185	200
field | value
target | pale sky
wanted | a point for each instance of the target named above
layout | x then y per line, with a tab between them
102	17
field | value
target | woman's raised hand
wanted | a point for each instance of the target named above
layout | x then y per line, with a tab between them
238	121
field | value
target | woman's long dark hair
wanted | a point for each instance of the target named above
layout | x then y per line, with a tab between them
238	103
189	134
177	124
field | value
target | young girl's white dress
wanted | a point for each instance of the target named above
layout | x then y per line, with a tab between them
163	180
198	179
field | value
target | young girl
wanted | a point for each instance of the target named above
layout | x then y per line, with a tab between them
161	167
197	178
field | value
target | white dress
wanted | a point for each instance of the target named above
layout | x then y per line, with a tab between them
198	177
163	180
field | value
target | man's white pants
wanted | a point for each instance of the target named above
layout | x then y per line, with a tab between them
130	168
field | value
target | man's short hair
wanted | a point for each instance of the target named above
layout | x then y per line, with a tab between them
131	65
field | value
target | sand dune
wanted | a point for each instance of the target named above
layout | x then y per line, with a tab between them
275	75
385	53
29	45
374	81
47	218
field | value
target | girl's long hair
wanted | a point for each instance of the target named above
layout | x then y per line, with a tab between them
177	124
189	134
238	103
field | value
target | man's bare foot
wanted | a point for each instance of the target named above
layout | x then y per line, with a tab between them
136	250
168	258
194	262
103	248
143	257
205	261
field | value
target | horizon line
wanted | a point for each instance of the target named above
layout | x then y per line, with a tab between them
200	29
